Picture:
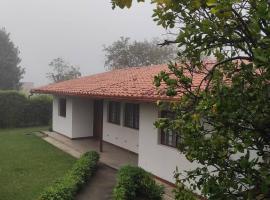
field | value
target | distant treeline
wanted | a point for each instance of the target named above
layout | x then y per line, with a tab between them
17	110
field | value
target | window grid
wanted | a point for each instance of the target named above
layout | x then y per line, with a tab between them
168	137
62	107
131	119
114	110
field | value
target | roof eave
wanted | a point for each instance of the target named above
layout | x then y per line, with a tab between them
122	98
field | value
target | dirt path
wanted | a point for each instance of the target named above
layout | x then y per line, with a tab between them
100	185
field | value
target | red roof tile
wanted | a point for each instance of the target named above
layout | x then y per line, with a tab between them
134	83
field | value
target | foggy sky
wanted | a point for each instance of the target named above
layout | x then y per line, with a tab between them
75	30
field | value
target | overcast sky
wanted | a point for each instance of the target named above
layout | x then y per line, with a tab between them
75	30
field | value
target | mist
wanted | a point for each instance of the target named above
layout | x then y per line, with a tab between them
75	30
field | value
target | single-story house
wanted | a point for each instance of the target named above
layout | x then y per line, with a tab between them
119	107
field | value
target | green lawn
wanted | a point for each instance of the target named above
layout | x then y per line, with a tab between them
28	164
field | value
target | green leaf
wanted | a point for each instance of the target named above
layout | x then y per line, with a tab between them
211	3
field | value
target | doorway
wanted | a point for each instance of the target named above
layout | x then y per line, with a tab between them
98	121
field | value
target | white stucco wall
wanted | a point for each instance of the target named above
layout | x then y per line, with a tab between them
153	157
60	124
158	159
79	117
82	117
119	135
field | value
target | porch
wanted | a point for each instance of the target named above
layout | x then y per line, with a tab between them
111	155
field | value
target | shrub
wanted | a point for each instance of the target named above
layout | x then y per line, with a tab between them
134	182
12	106
67	187
17	110
38	110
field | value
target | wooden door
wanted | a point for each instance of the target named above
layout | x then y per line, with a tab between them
98	121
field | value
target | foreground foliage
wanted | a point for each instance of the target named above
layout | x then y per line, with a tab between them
19	111
28	164
67	187
222	121
134	182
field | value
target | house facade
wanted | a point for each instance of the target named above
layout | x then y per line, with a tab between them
119	107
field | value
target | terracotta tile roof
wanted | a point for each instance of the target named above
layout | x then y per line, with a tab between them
134	83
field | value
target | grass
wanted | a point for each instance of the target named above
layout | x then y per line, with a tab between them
28	164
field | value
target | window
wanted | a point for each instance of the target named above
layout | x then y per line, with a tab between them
114	110
168	137
131	119
62	107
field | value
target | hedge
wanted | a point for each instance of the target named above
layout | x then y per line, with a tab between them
135	183
17	110
67	187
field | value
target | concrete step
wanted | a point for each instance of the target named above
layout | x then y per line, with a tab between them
65	142
63	147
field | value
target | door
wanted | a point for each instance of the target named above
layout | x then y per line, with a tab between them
98	121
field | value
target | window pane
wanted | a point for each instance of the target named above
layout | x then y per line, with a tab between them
136	116
62	107
132	115
129	115
168	137
114	112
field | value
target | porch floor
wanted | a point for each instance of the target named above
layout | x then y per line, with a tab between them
112	156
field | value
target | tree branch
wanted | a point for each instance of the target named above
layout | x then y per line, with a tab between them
211	72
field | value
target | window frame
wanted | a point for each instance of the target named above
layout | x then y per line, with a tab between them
135	108
110	119
62	107
164	136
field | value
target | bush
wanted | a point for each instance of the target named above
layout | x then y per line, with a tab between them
38	110
67	187
134	182
17	110
12	106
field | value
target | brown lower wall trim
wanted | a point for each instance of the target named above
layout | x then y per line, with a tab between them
174	186
164	181
120	147
87	137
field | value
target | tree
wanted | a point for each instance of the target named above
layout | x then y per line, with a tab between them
62	71
223	122
123	53
10	71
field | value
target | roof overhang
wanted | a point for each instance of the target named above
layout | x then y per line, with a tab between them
109	97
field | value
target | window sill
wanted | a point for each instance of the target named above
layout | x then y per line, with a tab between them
113	123
136	129
168	147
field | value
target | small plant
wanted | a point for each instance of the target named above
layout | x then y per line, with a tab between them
134	182
67	187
